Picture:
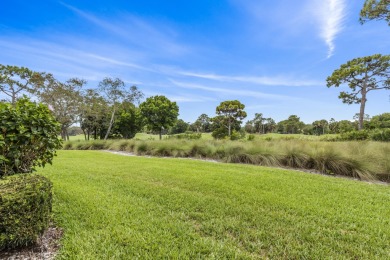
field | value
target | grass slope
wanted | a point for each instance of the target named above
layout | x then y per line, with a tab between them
119	207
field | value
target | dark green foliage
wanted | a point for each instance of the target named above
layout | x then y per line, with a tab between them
220	133
380	121
179	127
159	113
292	125
128	121
28	137
25	208
382	135
355	136
232	112
375	10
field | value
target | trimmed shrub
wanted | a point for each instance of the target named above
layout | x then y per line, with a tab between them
25	208
28	137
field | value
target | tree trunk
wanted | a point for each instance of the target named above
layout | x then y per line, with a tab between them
363	103
362	107
85	134
160	133
229	127
111	123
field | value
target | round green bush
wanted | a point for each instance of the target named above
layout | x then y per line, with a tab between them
25	208
28	137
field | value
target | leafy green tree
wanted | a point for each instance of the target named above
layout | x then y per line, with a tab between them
128	121
362	76
333	126
15	81
64	99
269	125
28	137
249	127
345	126
380	121
375	10
232	111
220	129
203	124
115	91
293	125
320	126
93	114
159	113
179	127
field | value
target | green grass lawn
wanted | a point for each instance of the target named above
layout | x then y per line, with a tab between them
119	207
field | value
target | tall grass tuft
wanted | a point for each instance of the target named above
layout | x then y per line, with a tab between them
364	160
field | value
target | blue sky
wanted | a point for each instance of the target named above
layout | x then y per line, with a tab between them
273	56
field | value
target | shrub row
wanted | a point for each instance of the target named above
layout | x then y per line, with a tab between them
329	158
381	135
25	208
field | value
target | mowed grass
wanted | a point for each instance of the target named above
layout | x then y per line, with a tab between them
118	207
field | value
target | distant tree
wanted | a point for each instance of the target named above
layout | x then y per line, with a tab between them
320	126
15	81
375	10
333	126
308	129
220	129
159	113
232	111
94	114
345	126
179	127
293	125
128	121
362	76
269	125
203	123
75	130
115	92
64	100
249	127
380	121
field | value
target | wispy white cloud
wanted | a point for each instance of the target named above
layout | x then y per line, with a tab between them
330	15
232	92
146	35
265	80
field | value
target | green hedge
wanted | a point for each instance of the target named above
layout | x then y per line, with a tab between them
25	209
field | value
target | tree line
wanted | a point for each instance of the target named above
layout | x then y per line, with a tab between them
114	109
111	110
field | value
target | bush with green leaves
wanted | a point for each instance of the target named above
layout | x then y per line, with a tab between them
25	208
28	137
382	135
355	136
